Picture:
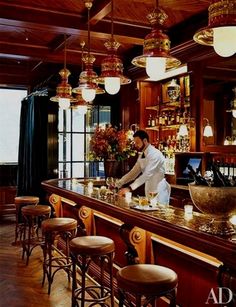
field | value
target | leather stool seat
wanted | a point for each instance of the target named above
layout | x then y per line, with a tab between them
21	201
59	224
149	280
32	218
83	250
92	245
36	210
54	258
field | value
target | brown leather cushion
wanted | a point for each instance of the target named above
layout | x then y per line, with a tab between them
92	245
26	200
146	279
59	224
36	210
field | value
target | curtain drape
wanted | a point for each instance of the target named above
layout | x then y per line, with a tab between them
32	159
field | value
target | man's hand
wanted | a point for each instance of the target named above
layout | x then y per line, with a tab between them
122	191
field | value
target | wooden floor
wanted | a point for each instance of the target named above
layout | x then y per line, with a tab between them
20	285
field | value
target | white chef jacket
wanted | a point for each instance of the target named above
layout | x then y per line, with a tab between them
152	170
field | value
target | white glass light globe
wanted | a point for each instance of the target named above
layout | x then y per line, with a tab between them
155	67
82	110
88	94
234	113
207	132
224	41
112	85
64	103
183	130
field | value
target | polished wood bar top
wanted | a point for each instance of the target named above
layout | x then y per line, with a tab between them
170	223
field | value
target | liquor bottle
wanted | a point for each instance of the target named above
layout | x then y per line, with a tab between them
157	121
172	119
149	122
199	180
219	180
177	118
153	122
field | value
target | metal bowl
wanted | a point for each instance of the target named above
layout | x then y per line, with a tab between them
217	202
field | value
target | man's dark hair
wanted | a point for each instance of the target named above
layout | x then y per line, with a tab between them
141	134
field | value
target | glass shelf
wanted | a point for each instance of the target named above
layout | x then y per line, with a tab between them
156	128
154	108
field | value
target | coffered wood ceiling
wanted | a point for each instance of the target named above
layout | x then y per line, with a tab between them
32	35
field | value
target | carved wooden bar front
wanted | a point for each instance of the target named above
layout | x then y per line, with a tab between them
204	263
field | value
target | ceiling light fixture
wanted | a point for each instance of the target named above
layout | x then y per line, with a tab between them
112	67
64	90
88	87
221	30
81	105
156	48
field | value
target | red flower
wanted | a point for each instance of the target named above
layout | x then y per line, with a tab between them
110	143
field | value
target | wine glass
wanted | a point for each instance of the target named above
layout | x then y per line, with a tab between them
110	183
152	196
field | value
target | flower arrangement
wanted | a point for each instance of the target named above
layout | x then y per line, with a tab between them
111	143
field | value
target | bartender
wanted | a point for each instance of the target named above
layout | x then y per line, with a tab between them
149	170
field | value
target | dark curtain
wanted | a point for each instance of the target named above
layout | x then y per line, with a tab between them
32	159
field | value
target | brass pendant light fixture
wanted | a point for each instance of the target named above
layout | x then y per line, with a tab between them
156	56
112	67
64	90
81	106
88	87
221	30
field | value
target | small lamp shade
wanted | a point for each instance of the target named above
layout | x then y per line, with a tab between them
207	132
183	130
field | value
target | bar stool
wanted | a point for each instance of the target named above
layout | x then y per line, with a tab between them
83	250
32	215
55	259
21	201
146	282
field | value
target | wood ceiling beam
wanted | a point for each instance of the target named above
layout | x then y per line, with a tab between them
70	24
99	11
40	53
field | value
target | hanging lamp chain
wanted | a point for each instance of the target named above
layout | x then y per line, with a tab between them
88	4
112	19
82	44
65	51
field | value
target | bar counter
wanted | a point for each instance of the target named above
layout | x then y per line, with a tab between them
171	239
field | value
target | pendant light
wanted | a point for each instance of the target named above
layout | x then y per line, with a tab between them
81	106
88	87
221	30
156	48
112	67
64	90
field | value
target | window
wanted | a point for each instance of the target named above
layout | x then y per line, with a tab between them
10	106
74	136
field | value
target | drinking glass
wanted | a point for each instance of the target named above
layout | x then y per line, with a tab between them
110	181
143	201
152	196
